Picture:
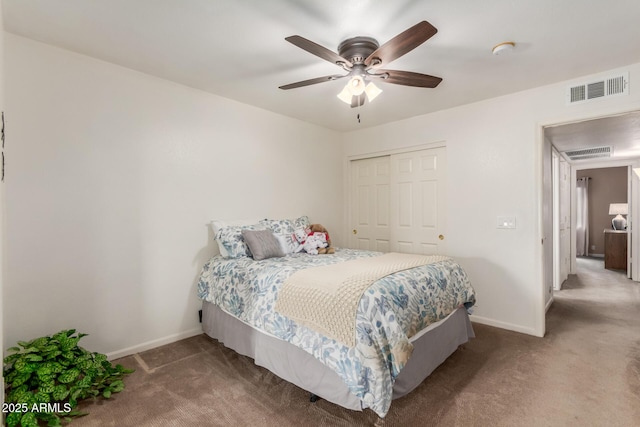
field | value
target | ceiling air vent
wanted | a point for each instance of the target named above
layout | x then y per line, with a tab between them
617	84
589	153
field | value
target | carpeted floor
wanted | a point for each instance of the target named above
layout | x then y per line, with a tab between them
584	372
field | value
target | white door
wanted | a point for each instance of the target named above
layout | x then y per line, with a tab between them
369	201
418	203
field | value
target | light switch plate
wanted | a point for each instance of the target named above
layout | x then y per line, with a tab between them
506	222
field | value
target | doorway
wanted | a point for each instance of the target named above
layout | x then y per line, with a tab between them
619	134
607	189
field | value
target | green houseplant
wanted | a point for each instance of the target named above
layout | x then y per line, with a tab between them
46	378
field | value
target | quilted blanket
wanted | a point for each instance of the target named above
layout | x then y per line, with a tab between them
389	312
326	298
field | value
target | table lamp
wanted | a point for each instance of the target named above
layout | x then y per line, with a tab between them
618	209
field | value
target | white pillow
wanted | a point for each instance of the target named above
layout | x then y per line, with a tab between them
217	224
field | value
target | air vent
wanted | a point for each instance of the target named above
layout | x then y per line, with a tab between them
589	153
613	85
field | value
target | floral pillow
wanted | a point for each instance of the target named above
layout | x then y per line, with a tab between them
231	239
286	226
288	243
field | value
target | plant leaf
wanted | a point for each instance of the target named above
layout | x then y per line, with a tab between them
33	357
42	397
13	419
20	379
68	375
60	392
48	387
53	420
29	420
20	365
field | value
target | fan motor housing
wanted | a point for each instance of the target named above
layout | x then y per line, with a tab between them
357	49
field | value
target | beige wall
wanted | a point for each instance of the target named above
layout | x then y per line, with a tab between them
114	175
495	169
1	198
606	186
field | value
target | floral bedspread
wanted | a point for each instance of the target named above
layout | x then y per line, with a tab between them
391	311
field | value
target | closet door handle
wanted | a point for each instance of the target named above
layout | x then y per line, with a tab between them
441	237
355	231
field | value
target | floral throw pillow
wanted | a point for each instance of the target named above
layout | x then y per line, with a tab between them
288	243
285	226
231	238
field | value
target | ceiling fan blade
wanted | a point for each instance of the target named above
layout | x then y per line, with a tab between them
312	81
401	44
408	78
357	101
318	50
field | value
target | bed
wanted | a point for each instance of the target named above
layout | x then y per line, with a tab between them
406	323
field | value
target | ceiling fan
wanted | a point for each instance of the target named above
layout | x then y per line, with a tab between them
364	58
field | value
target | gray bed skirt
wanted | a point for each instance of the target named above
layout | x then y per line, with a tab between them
431	348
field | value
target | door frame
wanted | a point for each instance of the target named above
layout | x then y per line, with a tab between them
555	215
573	117
632	200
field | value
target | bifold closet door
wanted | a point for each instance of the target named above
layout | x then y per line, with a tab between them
418	202
369	200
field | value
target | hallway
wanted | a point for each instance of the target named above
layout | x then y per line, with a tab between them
594	324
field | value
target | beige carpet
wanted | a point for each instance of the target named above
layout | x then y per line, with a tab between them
585	372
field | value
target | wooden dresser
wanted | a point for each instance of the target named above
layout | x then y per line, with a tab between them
615	249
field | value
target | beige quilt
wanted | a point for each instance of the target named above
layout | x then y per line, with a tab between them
326	298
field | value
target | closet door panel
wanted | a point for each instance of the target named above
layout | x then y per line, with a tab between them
369	204
418	182
397	202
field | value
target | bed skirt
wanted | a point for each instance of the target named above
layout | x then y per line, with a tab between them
431	347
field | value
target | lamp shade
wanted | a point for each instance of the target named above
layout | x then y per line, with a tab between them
345	96
372	91
618	209
356	85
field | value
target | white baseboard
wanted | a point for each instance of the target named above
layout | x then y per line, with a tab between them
546	308
503	325
596	255
153	344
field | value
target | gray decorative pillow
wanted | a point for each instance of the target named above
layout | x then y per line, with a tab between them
262	244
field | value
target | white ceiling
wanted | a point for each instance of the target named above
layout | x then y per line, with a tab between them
622	132
236	48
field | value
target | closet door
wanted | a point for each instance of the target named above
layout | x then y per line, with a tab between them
369	200
418	202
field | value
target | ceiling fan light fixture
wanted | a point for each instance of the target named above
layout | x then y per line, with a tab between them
345	96
358	55
372	91
356	85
